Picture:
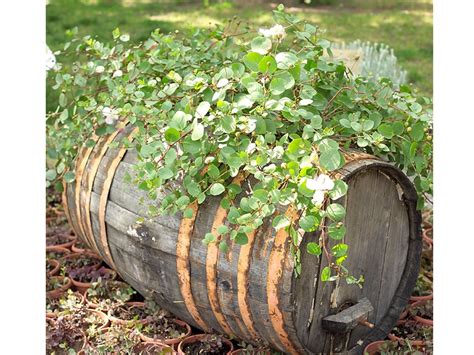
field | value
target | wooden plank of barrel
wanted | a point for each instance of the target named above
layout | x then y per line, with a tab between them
251	292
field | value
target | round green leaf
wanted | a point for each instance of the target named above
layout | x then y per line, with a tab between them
267	65
217	189
331	160
336	212
308	223
252	60
172	135
336	232
285	60
69	176
385	130
313	248
281	82
261	45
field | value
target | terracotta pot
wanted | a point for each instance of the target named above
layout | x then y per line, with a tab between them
105	319
174	341
253	352
59	250
204	338
54	294
154	348
52	315
71	240
373	348
83	286
421	320
55	267
123	321
393	337
93	305
76	249
414	299
427	240
84	339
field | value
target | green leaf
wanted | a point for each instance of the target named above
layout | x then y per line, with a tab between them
62	100
285	60
213	171
331	160
202	109
308	223
172	135
223	247
182	201
313	248
339	189
261	45
326	274
198	132
51	175
267	65
222	229
336	232
281	82
69	176
385	130
188	212
251	60
280	221
417	131
64	115
336	212
193	188
217	189
116	33
165	173
340	250
209	238
241	239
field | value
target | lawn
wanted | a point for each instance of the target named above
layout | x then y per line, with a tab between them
407	26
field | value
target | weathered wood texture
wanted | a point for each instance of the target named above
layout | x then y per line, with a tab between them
251	291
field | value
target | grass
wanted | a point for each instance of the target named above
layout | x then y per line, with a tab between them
407	26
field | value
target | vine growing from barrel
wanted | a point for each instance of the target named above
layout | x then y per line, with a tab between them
269	104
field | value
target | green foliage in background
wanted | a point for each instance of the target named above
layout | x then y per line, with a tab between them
232	102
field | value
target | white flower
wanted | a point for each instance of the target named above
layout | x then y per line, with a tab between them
276	32
99	69
319	185
117	73
318	197
50	59
110	115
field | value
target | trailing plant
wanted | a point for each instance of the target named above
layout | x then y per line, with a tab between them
230	102
106	293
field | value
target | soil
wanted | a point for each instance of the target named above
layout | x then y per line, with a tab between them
213	345
126	312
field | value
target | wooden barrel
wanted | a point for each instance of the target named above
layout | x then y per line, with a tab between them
251	291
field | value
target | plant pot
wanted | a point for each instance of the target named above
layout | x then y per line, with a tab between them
53	315
373	348
81	346
71	239
124	321
56	250
173	341
393	337
202	338
104	318
153	348
414	299
76	249
427	240
54	294
83	286
90	303
419	319
54	267
253	352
